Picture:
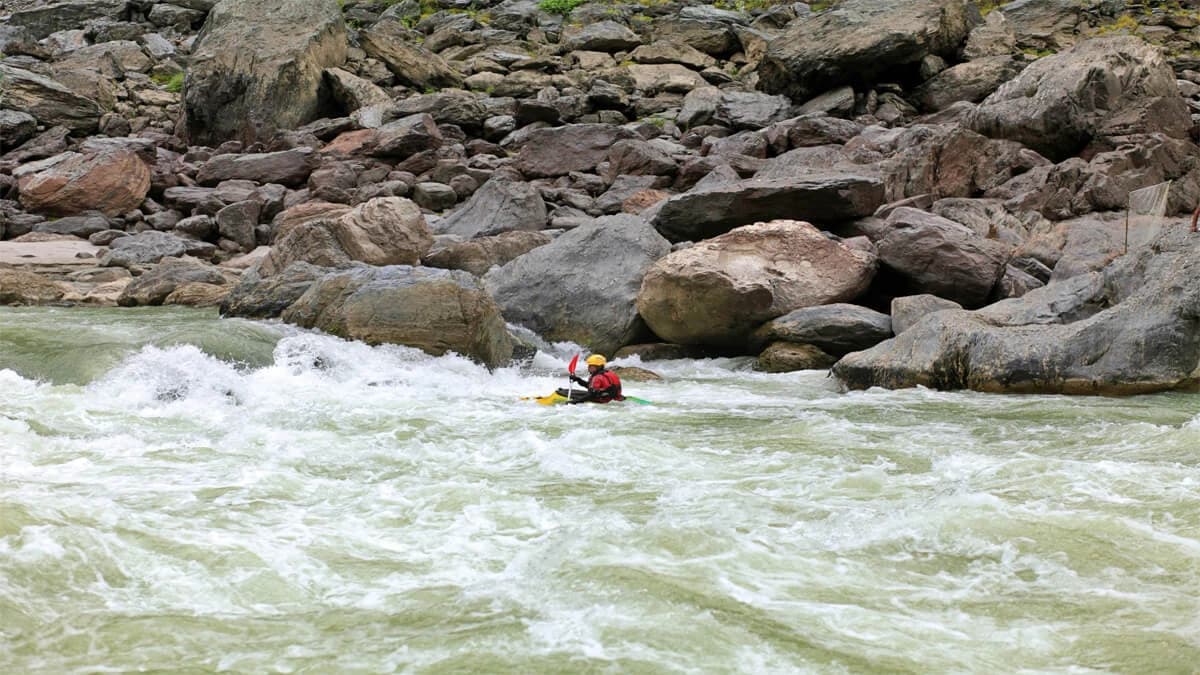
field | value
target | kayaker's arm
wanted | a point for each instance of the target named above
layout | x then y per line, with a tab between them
579	380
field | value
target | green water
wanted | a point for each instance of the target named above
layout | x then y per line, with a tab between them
184	494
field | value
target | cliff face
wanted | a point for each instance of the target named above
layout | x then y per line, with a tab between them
971	155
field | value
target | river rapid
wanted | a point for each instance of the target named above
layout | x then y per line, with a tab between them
184	493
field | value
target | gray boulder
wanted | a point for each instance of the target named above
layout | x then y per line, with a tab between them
861	39
602	36
150	247
499	206
44	18
1047	24
407	136
1126	330
83	225
582	286
352	91
265	297
450	106
836	329
1101	88
396	46
257	68
715	38
383	231
938	256
823	198
751	109
50	102
575	147
436	311
288	167
971	81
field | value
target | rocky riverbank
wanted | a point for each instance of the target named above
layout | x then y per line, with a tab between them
913	191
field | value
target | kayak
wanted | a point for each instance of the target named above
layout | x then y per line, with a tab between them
560	397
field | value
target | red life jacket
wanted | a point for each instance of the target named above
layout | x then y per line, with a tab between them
605	386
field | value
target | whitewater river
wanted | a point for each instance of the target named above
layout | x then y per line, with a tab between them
183	493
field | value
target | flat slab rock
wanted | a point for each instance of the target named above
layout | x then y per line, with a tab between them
57	252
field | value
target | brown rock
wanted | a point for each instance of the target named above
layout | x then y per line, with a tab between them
112	181
717	292
18	287
306	213
384	231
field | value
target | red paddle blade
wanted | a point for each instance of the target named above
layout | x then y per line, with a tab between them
574	362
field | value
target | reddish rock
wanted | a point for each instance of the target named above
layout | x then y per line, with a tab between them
112	181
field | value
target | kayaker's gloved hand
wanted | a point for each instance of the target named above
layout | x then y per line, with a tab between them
579	380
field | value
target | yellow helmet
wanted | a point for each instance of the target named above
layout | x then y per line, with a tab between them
596	360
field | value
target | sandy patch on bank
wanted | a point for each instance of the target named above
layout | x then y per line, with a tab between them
58	252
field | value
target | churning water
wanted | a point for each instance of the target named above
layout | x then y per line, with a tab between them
183	493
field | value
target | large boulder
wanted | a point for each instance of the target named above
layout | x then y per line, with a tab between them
860	40
43	18
257	68
938	256
50	102
582	286
499	206
396	46
560	150
1103	88
437	311
112	181
820	197
972	81
717	292
1127	330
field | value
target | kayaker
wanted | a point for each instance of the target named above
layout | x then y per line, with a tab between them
602	384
